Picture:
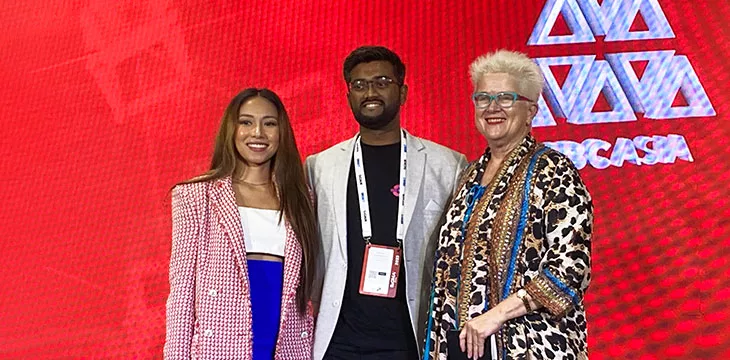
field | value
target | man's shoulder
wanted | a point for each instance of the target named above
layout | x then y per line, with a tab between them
436	147
324	159
436	150
334	150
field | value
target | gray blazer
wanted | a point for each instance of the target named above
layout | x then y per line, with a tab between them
432	174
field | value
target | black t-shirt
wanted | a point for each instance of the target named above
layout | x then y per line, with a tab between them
372	323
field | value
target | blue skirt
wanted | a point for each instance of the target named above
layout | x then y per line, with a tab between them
265	280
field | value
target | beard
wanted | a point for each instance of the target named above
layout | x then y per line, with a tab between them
379	121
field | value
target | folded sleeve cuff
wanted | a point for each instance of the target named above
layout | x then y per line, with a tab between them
552	293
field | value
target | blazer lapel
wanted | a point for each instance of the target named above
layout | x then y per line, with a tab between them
416	163
230	221
292	268
340	175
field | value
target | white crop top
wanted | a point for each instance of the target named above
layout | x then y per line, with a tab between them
262	232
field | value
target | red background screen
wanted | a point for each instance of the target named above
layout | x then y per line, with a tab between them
106	104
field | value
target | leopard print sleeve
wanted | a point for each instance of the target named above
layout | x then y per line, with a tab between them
565	268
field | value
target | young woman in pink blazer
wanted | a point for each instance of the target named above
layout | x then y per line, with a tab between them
244	243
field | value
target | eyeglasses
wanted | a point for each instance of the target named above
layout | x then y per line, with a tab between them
504	99
362	85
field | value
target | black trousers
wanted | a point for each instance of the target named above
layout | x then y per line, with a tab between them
341	352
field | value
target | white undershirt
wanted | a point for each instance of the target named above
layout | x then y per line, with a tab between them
262	232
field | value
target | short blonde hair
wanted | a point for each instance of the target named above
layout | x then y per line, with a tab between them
529	78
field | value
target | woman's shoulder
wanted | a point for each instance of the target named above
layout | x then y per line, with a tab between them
555	170
192	189
553	160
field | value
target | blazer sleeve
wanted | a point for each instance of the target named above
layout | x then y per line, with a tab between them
316	295
308	171
565	268
461	165
181	302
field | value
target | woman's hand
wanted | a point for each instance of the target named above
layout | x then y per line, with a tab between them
475	332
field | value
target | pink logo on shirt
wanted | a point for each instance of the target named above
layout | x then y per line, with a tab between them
395	190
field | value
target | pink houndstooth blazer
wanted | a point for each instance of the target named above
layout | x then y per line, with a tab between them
209	307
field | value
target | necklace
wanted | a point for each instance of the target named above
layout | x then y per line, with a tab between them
252	184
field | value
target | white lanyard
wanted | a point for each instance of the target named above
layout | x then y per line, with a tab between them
362	191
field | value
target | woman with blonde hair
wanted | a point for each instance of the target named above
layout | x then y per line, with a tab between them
513	259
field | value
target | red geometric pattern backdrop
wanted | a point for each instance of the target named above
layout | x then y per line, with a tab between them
106	104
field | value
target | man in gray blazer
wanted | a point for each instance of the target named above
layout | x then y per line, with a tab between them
370	218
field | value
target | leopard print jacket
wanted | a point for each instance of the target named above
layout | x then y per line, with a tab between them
530	229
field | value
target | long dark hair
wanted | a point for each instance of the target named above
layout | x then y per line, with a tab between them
287	174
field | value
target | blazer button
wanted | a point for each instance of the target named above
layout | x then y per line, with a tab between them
305	334
212	292
208	332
